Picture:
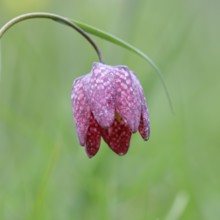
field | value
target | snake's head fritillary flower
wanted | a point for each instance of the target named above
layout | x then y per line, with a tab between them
109	102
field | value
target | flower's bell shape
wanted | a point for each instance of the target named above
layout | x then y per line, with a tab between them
109	102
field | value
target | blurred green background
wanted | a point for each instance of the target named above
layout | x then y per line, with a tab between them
45	174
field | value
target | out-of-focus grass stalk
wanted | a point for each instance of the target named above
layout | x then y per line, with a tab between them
179	205
43	185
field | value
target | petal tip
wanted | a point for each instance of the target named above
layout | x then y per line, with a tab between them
91	151
90	155
122	153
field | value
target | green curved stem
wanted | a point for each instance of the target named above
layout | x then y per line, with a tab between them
54	17
83	29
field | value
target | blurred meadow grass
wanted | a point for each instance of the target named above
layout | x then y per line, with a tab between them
45	174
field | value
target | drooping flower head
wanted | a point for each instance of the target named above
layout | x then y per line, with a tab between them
109	102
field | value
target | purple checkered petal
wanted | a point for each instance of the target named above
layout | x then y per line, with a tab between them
117	136
93	137
128	103
100	93
144	127
80	108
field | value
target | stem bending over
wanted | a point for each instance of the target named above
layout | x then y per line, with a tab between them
84	30
54	17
